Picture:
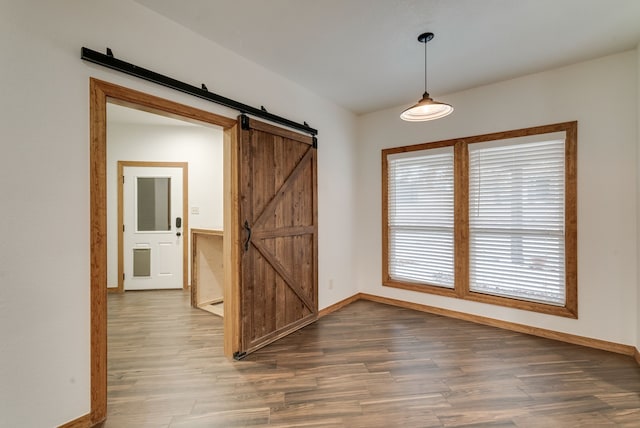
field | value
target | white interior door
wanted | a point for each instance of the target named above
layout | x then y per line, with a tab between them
153	235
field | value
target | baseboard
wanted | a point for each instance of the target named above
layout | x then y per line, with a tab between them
81	422
341	304
506	325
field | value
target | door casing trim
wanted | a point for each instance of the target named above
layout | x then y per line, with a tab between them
102	92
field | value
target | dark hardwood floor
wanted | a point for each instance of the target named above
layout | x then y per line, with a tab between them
366	365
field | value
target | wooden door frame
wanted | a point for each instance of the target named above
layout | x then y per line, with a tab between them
185	218
102	92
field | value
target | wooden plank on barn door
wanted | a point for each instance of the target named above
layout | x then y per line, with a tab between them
278	215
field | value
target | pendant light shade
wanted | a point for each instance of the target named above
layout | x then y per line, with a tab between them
426	108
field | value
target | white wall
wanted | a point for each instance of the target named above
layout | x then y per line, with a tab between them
44	179
602	96
199	146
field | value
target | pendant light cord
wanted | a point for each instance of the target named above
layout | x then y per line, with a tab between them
425	66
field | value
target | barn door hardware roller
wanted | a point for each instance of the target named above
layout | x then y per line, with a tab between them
109	61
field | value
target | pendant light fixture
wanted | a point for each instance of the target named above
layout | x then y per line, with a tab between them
426	108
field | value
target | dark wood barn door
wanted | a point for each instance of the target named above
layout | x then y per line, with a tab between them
278	215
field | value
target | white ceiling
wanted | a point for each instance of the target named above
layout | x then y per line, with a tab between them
364	54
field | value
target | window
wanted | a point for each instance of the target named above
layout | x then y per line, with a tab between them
421	216
490	218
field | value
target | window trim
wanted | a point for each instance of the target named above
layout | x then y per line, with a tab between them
461	221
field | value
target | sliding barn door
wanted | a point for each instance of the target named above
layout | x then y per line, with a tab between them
278	215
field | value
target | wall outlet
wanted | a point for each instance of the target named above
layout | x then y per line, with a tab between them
195	210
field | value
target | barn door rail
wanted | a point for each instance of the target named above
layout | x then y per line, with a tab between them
109	61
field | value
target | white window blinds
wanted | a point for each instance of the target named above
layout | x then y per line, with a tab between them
516	219
420	217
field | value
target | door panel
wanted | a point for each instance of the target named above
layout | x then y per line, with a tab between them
167	256
278	212
153	245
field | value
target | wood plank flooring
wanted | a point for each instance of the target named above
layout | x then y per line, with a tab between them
366	365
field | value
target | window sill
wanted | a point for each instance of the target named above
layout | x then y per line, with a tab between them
570	310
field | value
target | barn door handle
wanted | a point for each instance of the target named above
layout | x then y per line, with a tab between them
248	229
